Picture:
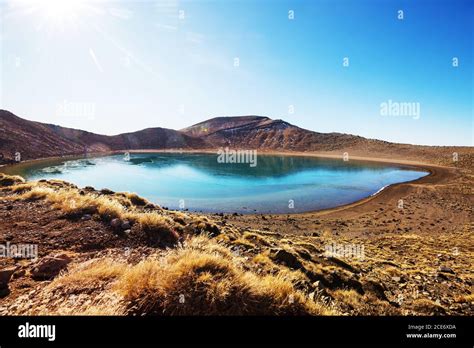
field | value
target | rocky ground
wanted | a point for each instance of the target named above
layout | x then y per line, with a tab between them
417	237
408	250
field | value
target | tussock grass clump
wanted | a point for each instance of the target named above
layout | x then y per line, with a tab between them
157	228
256	238
90	275
136	199
366	304
10	180
425	306
36	193
108	208
263	259
73	204
243	244
192	281
22	188
202	225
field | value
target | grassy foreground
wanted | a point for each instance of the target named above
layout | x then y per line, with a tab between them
189	268
132	257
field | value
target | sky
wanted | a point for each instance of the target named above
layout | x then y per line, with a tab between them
358	67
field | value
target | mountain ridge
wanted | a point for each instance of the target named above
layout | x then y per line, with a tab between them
36	140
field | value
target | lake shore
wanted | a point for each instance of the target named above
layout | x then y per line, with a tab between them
437	173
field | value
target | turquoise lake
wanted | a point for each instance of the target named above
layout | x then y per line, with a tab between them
277	184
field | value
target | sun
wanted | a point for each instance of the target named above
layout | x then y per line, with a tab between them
60	9
54	12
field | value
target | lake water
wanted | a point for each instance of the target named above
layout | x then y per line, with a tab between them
277	184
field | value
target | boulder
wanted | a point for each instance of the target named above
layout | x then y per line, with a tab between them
50	266
5	276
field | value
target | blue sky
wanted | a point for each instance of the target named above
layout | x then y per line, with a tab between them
120	66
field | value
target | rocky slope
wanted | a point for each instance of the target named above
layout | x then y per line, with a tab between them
37	140
264	133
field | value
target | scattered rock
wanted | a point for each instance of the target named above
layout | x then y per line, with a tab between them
86	217
106	191
50	266
446	269
126	225
116	223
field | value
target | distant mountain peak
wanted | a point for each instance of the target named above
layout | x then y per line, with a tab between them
221	123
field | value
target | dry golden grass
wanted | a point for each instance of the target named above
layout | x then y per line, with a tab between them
309	247
74	203
21	188
35	193
136	199
367	304
243	243
9	180
90	274
428	307
464	298
256	238
263	259
192	281
349	297
158	228
202	277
